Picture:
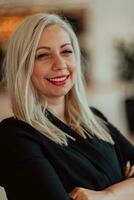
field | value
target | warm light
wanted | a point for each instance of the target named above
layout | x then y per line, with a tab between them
8	25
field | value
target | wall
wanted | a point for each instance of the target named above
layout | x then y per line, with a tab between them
112	20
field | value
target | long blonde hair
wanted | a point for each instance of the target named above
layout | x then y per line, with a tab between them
25	101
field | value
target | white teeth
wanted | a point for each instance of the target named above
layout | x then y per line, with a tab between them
57	79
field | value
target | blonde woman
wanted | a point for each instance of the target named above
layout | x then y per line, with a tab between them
55	146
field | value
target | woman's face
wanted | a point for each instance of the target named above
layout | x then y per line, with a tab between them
55	65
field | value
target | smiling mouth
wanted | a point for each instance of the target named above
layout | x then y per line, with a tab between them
59	80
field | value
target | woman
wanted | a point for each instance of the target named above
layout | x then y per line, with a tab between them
55	146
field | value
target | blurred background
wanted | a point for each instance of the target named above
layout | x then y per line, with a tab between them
105	30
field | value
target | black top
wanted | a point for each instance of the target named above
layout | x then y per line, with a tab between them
35	168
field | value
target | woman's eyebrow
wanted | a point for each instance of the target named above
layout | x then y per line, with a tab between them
65	44
43	47
49	48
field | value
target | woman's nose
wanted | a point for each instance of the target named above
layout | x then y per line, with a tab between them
59	63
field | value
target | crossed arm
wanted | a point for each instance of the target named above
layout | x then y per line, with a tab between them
120	191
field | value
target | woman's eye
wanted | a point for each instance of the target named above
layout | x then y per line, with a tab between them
67	52
42	56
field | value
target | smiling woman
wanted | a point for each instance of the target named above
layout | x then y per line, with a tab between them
55	146
55	65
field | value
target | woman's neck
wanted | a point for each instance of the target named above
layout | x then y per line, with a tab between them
57	106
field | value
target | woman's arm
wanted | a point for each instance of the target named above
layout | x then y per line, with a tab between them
123	190
27	172
119	191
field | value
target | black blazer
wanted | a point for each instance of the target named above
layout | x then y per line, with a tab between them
35	168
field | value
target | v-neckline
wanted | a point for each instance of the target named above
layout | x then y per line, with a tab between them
86	144
63	126
58	122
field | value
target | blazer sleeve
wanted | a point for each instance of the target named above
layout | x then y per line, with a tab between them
28	173
124	148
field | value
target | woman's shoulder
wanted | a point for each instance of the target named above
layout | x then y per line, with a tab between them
12	127
7	125
11	124
113	130
7	121
98	113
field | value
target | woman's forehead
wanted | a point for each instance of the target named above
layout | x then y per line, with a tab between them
54	35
